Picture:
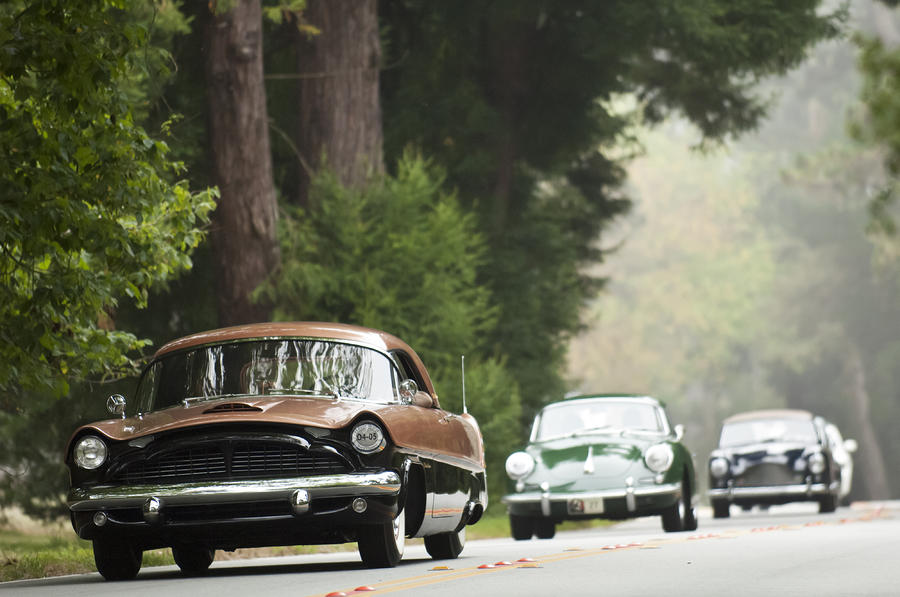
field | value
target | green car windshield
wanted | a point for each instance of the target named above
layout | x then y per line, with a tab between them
289	367
599	416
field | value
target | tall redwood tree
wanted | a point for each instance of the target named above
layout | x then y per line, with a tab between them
338	102
243	234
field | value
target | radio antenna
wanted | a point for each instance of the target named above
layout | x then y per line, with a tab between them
462	359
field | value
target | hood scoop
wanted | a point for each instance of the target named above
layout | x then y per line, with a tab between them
232	407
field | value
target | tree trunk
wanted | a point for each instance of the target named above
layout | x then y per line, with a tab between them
869	460
340	109
243	233
507	90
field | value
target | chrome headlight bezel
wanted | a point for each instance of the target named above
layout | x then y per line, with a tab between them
90	453
519	465
816	463
367	437
659	457
719	467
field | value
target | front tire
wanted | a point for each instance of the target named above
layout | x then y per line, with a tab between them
828	503
673	517
193	559
446	546
545	528
521	527
690	515
117	560
381	545
721	509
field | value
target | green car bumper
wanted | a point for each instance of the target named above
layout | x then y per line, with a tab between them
625	502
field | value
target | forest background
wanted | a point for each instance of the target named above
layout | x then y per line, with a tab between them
454	174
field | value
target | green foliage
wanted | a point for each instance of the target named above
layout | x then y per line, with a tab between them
516	99
880	65
89	213
880	125
401	256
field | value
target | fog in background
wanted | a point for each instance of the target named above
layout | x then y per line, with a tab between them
752	275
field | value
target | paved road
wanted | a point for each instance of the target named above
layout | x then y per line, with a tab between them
786	551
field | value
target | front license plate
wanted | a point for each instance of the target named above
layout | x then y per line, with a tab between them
586	506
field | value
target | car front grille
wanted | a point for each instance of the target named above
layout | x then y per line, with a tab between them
226	460
767	474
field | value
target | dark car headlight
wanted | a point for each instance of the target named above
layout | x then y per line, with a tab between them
718	467
367	437
518	465
659	457
90	452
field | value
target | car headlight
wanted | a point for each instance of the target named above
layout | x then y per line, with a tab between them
367	437
659	457
816	463
518	465
90	452
718	467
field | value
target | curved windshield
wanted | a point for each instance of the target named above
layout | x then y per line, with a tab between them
598	416
293	367
768	430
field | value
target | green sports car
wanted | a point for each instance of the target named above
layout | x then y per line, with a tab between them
600	456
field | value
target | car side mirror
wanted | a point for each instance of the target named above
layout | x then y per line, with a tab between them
408	389
850	445
679	432
115	404
423	399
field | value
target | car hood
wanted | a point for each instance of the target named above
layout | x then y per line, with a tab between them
330	414
404	423
594	456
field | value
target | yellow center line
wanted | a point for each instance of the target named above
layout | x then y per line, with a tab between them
440	576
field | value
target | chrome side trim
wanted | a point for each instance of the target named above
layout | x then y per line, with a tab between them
385	483
537	498
770	491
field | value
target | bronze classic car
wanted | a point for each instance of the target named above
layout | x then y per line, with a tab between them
276	434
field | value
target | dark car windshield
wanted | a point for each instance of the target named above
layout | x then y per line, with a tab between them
291	367
741	433
588	416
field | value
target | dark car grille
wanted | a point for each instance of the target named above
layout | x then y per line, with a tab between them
230	460
767	474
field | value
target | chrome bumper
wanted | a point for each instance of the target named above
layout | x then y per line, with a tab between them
295	489
545	498
798	490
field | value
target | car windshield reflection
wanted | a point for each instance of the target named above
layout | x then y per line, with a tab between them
611	417
291	367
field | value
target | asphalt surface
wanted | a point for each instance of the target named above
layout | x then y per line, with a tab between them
789	550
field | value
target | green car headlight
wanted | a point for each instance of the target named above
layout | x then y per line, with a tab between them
518	465
659	457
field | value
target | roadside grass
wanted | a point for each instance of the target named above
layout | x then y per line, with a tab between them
36	554
40	551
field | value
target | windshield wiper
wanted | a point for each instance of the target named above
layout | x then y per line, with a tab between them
192	399
599	429
299	392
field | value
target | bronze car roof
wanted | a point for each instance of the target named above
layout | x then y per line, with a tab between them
294	329
775	413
